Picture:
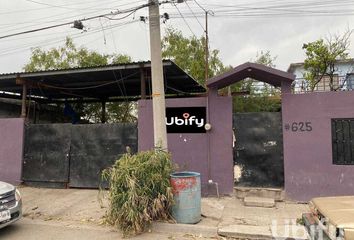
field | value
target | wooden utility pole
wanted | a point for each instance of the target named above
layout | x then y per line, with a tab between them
158	89
207	12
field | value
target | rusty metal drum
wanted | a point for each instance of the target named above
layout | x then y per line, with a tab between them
187	196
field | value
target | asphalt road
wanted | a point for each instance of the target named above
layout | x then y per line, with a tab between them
27	229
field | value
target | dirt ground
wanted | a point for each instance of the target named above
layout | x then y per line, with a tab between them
82	207
76	205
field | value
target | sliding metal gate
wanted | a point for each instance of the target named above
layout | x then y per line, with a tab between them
62	155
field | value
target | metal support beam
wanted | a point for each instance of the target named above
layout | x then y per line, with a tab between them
24	100
103	113
34	112
142	83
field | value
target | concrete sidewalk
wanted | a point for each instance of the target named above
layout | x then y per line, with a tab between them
226	216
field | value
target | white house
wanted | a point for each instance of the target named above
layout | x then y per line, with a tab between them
343	78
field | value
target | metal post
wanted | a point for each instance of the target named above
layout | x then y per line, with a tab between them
34	112
24	103
103	113
142	83
158	92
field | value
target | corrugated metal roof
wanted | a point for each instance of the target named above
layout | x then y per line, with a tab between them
90	68
99	82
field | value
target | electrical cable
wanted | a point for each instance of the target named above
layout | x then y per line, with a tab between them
201	25
284	9
85	88
129	14
55	40
185	21
51	5
201	7
71	22
65	18
104	34
58	19
43	8
124	89
115	77
113	38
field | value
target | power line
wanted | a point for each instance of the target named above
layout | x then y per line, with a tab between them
279	15
81	20
200	6
63	18
269	12
185	21
55	39
296	4
117	80
201	25
315	8
35	30
290	6
70	8
42	8
51	5
129	14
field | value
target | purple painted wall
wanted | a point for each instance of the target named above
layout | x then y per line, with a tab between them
190	151
11	149
308	167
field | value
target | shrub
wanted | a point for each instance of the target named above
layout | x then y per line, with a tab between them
139	190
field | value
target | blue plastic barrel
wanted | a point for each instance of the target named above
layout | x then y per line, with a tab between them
187	197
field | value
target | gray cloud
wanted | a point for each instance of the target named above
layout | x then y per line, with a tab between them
238	39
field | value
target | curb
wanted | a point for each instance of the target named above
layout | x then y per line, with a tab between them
205	231
246	232
278	232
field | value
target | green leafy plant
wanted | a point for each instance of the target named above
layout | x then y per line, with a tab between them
189	54
71	56
139	190
322	57
300	221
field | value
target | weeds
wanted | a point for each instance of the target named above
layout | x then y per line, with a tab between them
139	190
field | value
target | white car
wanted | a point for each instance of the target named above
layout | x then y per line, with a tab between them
10	204
333	216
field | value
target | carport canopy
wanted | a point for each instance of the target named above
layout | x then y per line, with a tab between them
119	82
255	71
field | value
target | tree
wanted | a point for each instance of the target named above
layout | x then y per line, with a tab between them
265	58
260	97
70	56
321	58
189	54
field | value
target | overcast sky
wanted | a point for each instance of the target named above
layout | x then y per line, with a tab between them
239	28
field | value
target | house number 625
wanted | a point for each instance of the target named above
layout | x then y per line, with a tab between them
299	127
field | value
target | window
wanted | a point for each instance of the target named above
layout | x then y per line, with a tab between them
350	81
323	85
343	141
